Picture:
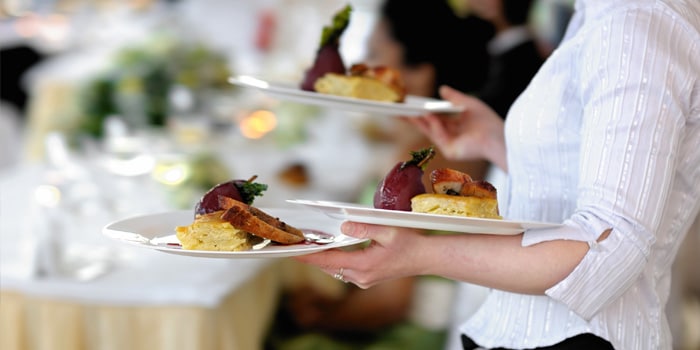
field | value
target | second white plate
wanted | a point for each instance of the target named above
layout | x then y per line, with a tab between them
370	215
412	106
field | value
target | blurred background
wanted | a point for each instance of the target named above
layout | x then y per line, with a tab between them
117	108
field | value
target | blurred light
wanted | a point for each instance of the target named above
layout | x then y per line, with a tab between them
27	26
437	105
52	29
171	173
15	7
257	124
47	195
137	165
55	28
190	132
248	80
57	149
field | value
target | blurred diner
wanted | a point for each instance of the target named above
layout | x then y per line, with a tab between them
113	109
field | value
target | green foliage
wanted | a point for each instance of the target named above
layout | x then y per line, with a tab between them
139	78
207	171
250	190
97	105
331	34
421	157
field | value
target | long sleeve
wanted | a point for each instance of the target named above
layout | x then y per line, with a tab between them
631	134
605	136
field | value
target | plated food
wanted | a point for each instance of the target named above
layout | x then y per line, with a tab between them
403	181
456	193
226	220
328	58
329	75
453	192
413	106
154	231
364	82
329	82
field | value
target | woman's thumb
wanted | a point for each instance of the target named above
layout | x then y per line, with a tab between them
355	229
447	92
457	97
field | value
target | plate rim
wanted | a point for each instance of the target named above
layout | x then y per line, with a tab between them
287	89
501	225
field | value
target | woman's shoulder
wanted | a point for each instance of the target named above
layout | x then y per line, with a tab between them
677	11
644	20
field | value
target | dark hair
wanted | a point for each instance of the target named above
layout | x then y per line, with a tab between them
517	11
421	27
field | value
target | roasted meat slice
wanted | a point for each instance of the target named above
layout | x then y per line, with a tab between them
259	223
448	181
455	182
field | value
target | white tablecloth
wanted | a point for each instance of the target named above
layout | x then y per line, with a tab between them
92	267
96	293
155	281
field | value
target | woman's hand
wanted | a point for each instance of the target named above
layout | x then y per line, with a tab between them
494	261
476	133
393	249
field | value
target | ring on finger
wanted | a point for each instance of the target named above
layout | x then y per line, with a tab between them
339	275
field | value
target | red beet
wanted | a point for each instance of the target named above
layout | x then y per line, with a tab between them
241	190
328	60
403	182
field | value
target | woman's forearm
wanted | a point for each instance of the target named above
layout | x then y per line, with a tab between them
501	262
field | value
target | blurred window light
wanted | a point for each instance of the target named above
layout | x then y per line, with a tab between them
55	28
16	8
257	124
171	173
248	80
47	196
52	29
134	166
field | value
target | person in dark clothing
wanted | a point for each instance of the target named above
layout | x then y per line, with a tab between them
515	55
15	61
409	36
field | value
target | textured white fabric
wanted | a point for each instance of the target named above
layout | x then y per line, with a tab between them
606	136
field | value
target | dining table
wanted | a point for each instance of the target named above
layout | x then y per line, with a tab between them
65	285
206	305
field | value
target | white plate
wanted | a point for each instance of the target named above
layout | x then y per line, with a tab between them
157	231
412	106
370	215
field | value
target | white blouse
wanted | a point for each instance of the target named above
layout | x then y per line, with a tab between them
607	135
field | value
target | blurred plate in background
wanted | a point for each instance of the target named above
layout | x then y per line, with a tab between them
412	106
